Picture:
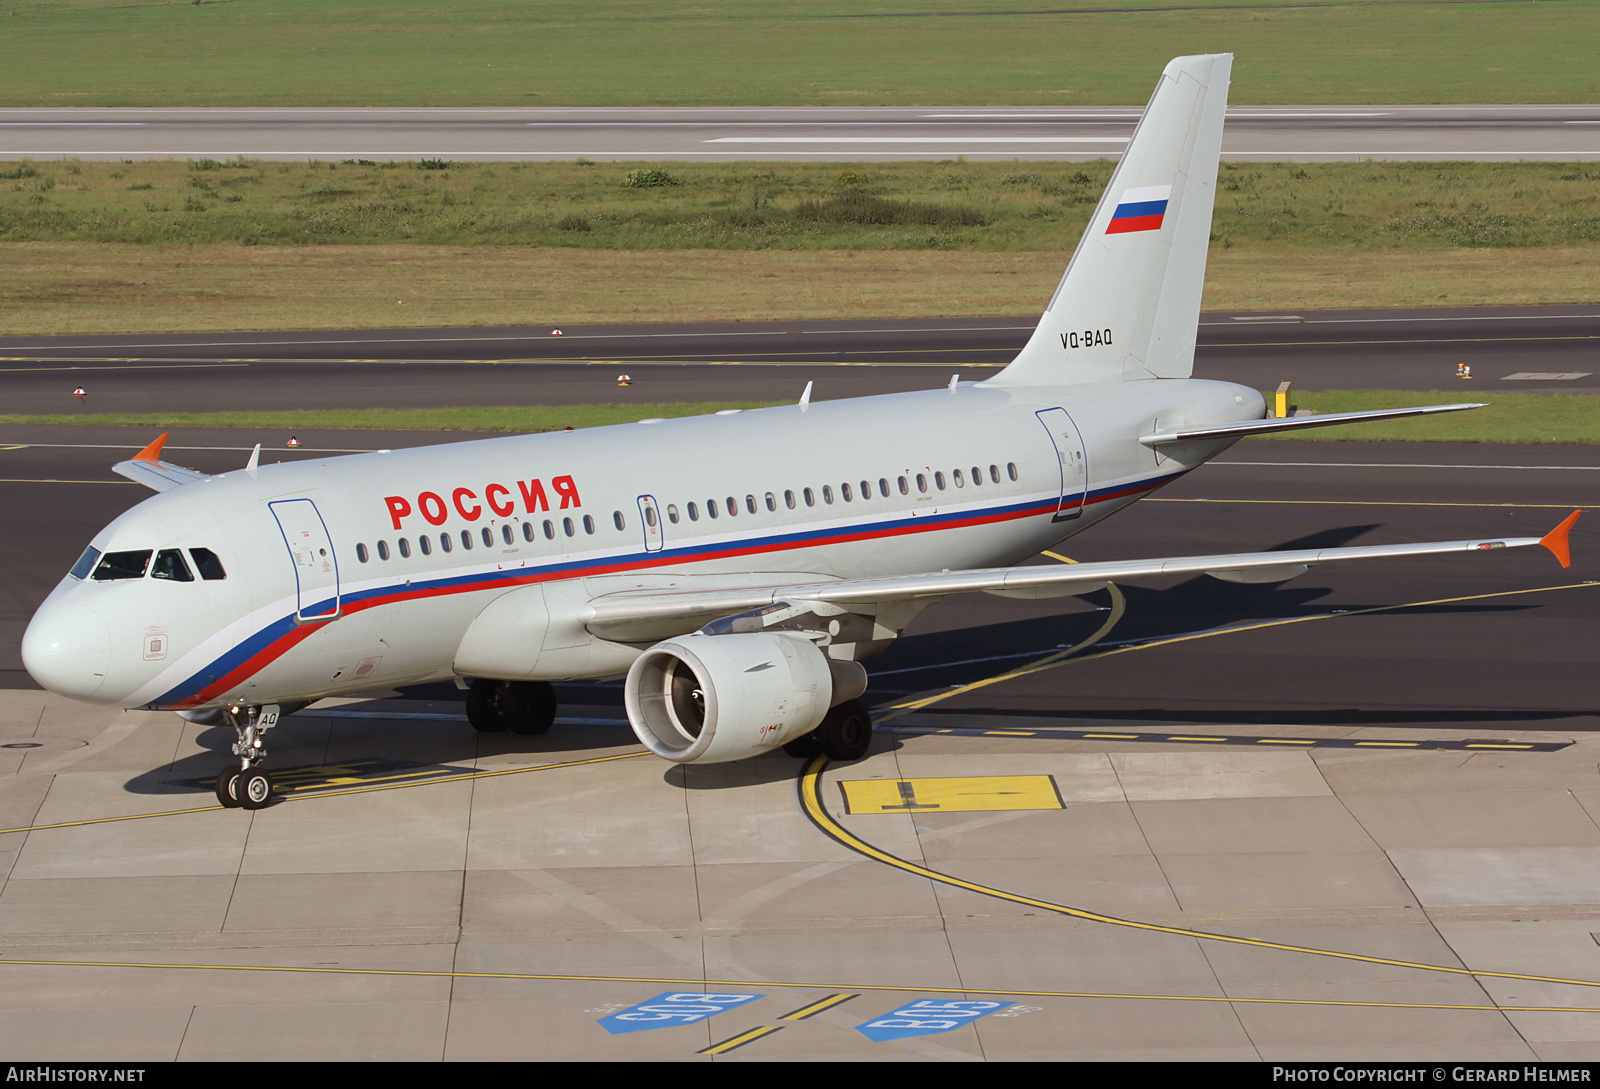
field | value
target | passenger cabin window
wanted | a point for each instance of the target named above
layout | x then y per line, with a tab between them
844	492
588	524
977	476
772	501
566	527
733	506
506	535
903	489
383	550
445	544
426	544
122	565
694	513
169	565
85	564
488	537
958	478
616	518
549	530
711	507
466	540
672	513
883	487
994	473
404	544
811	500
1011	467
788	498
527	531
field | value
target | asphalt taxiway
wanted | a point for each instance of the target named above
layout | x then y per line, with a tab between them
1351	815
1554	349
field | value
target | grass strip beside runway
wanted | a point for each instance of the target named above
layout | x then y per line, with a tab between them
752	52
82	288
1510	418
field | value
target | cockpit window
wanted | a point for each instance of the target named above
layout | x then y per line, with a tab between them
206	562
169	565
122	565
85	564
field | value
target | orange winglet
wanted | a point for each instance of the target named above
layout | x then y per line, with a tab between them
153	451
1556	539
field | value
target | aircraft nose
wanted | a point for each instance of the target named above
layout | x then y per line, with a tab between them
67	648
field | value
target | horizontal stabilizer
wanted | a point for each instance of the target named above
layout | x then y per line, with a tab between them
1293	423
147	468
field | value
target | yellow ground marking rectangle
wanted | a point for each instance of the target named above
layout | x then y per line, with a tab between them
1389	744
1115	737
1486	745
1282	741
956	795
1197	739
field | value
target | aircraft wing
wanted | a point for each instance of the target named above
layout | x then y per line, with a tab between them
147	468
615	615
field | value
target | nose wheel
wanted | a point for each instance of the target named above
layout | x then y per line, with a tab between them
247	786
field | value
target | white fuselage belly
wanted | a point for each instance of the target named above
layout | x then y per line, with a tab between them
400	619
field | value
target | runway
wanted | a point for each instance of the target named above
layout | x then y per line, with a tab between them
1351	815
1554	349
840	133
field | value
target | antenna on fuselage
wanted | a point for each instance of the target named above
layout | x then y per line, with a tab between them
954	378
255	460
805	398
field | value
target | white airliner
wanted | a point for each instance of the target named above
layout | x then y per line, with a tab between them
738	567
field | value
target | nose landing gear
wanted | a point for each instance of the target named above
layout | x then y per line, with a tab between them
247	786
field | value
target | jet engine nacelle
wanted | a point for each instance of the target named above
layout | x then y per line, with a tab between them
707	699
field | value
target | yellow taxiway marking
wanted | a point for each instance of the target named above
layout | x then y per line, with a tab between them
131	366
465	777
740	1040
876	988
810	789
818	1007
954	795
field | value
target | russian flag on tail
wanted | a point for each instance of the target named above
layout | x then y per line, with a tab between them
1140	209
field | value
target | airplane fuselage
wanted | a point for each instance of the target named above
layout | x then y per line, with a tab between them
363	571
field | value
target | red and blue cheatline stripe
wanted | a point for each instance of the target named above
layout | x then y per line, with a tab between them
1140	209
274	640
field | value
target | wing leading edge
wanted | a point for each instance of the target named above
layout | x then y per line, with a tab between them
614	615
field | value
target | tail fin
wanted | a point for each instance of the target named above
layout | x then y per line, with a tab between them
1129	303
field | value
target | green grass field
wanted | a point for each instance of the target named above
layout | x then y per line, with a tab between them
189	246
757	52
1512	417
987	207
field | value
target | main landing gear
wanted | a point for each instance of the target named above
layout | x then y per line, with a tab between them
523	707
247	786
845	734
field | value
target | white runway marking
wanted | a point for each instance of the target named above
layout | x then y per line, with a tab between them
919	140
